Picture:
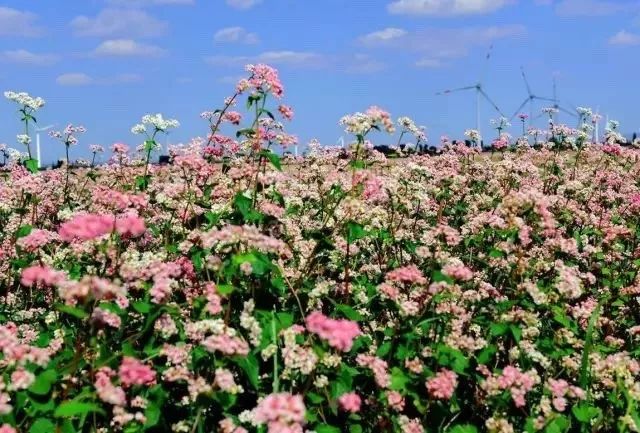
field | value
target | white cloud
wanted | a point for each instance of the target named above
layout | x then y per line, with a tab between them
365	64
430	63
295	58
445	7
126	48
236	35
18	23
28	58
145	3
130	23
82	79
388	34
243	4
624	37
434	45
74	79
594	8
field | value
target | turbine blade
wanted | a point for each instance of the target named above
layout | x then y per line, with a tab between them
459	89
526	82
564	110
484	94
519	108
486	64
540	98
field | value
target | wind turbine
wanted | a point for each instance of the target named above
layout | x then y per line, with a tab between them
341	141
38	131
480	92
530	98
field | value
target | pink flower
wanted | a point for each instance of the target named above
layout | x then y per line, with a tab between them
6	428
86	227
106	390
42	275
395	400
226	344
339	333
134	372
286	111
120	148
442	385
407	274
263	77
350	402
458	271
232	117
281	412
130	225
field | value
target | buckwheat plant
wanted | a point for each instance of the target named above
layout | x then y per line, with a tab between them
151	126
69	138
28	106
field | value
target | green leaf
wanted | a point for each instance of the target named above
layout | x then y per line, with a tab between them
42	425
73	311
467	428
43	382
149	145
141	307
72	408
399	380
326	428
486	354
32	165
384	349
355	231
273	158
584	412
23	231
558	425
349	312
249	364
225	289
355	428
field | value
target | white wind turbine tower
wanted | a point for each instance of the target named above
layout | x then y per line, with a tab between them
341	141
530	99
480	92
38	131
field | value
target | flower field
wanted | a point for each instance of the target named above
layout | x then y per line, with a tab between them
237	291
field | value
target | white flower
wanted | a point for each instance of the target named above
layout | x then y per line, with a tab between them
25	100
139	129
23	139
473	135
159	122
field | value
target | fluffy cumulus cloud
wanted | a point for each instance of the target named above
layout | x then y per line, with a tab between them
127	48
624	37
74	79
388	34
236	35
293	58
120	23
25	57
435	46
14	22
243	4
594	8
445	7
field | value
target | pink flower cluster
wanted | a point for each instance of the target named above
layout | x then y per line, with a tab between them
350	402
442	385
106	390
283	413
226	344
339	333
263	77
134	372
41	275
91	226
560	389
408	274
378	366
513	380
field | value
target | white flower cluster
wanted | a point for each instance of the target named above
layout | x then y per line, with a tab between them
157	121
473	135
584	111
23	139
23	98
358	123
500	123
408	125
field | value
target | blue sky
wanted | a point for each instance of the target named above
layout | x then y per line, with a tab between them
105	63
